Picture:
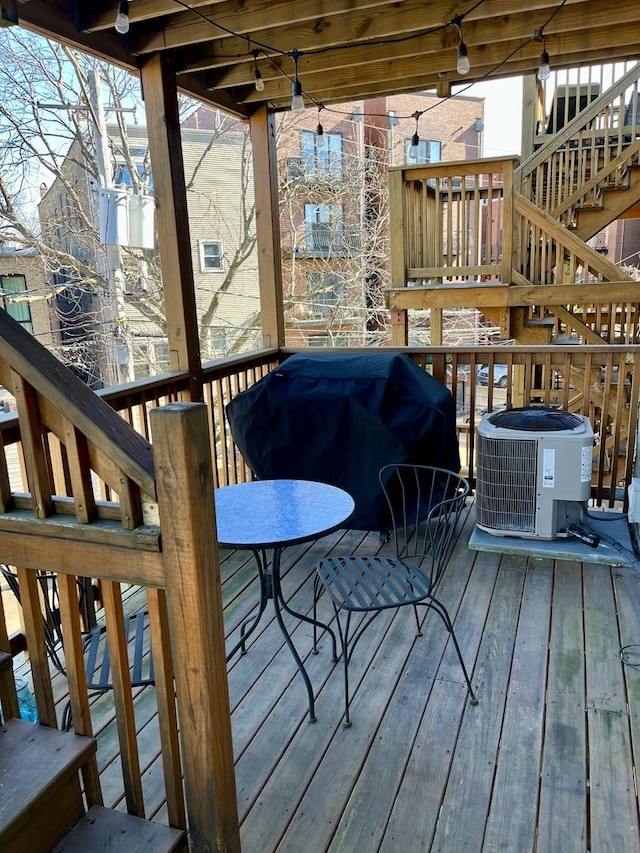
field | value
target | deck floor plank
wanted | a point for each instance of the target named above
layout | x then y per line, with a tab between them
562	813
418	800
468	794
514	804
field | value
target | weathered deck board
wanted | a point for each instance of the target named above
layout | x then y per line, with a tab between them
562	813
546	762
517	779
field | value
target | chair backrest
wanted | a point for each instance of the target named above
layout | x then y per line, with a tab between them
50	605
425	505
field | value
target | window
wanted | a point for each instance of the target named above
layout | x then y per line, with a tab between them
219	339
323	224
323	159
211	256
14	286
122	174
324	291
429	151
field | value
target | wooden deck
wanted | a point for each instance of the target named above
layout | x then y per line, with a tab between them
545	762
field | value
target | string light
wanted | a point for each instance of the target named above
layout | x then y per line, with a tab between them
414	149
544	70
319	130
259	82
297	101
122	18
463	66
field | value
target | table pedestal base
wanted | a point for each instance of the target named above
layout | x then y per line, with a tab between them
270	589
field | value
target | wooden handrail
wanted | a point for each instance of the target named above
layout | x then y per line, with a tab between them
22	355
547	224
598	178
576	124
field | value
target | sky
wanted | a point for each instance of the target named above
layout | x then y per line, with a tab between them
502	115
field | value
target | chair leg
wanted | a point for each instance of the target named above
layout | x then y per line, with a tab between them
317	592
442	612
344	641
418	625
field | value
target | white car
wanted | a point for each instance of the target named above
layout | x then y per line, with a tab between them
500	375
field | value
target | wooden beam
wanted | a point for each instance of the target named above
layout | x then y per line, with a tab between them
265	170
489	40
165	150
194	603
81	557
581	328
514	296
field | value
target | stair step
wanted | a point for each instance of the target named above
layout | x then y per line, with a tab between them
103	830
540	321
41	797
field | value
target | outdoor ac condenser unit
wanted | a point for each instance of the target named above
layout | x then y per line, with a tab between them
533	471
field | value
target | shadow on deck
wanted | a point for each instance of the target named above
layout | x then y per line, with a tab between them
545	762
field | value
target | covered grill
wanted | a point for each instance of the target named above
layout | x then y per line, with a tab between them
339	417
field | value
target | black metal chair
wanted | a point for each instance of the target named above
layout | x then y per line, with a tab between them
95	646
425	505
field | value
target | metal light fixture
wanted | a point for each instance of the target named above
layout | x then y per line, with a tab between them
414	148
544	69
463	66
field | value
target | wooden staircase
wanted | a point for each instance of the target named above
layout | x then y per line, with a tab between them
510	238
615	201
42	807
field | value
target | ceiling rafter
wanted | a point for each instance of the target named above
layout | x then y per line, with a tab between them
347	49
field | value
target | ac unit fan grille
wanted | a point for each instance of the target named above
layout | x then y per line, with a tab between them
506	484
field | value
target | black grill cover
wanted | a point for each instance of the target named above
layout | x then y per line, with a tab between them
338	418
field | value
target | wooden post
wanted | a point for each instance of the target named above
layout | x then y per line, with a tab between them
165	150
531	106
399	323
184	479
265	171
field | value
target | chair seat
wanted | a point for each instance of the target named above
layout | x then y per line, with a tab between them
98	661
365	583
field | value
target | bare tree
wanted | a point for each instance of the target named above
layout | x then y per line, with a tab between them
48	161
335	234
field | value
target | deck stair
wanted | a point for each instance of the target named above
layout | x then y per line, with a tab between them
510	238
615	202
42	800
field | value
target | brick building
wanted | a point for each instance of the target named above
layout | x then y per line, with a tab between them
334	204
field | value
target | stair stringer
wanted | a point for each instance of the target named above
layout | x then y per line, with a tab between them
616	202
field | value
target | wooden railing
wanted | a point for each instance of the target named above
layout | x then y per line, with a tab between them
75	450
592	151
596	381
451	221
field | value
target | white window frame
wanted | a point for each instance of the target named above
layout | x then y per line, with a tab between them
203	256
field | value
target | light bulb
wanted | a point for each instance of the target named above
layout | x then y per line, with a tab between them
544	71
297	101
414	149
319	136
463	65
122	18
259	82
